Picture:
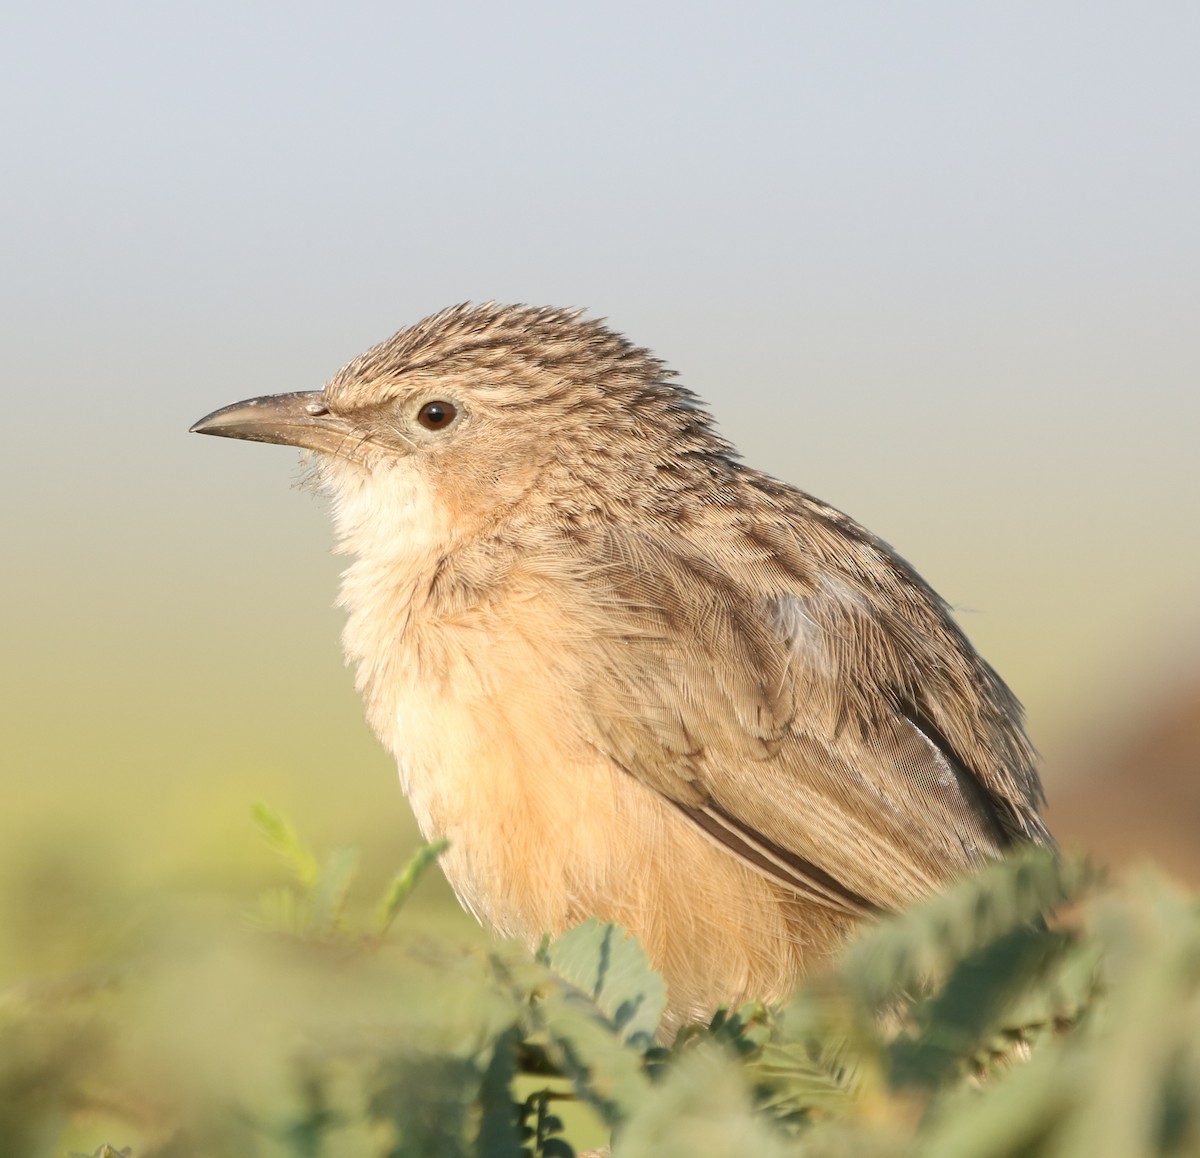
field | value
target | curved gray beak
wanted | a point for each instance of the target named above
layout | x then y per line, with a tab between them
291	419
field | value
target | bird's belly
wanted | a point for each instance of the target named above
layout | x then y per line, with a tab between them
545	832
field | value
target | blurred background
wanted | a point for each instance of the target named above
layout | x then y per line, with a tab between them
936	263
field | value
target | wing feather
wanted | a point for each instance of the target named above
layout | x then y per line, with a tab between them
845	740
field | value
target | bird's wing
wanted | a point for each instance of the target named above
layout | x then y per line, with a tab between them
845	740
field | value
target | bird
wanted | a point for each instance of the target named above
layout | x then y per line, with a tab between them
627	676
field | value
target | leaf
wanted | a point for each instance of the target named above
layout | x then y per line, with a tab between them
906	952
283	839
428	1099
969	1009
1144	1084
1009	1118
566	1032
792	1082
330	889
611	967
701	1110
405	881
604	1070
499	1136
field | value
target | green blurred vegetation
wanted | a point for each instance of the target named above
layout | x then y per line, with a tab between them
1035	1009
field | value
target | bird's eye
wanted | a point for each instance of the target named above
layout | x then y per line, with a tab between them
437	415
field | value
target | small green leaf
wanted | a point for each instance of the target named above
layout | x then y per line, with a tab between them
499	1136
283	839
605	1071
405	881
925	942
611	967
958	1020
329	892
702	1109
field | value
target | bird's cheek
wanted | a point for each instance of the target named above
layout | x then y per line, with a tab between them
497	481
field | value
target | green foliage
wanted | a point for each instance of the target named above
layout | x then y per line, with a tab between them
984	1022
611	969
283	839
404	882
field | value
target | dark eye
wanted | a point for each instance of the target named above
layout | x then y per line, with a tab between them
437	415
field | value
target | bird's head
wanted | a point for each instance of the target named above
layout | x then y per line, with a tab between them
482	410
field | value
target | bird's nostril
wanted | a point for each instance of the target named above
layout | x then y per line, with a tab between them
316	409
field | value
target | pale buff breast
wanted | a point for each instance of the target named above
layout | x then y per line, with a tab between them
545	831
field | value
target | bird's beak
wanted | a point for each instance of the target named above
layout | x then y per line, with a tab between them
291	419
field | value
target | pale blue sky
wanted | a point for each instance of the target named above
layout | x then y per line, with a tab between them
938	263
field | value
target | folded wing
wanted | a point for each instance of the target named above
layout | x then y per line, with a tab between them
838	735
